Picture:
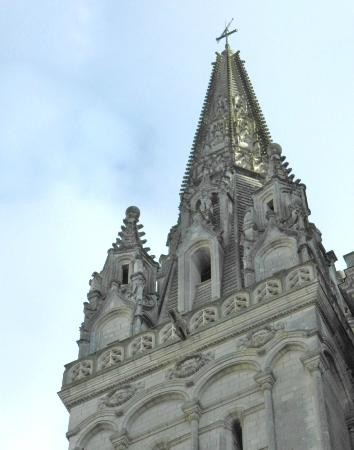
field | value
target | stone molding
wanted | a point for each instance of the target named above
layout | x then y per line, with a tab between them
155	337
221	331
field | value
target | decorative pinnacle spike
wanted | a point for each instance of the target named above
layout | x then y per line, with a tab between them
147	249
140	226
143	241
291	177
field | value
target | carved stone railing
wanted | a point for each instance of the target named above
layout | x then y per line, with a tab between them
237	303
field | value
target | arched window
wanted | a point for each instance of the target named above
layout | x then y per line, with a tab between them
199	270
125	273
201	265
237	435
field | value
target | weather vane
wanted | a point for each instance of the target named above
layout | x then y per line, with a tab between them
226	33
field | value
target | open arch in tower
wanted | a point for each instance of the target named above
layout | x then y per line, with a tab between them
199	263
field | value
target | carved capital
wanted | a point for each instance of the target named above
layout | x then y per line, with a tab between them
314	363
192	410
120	441
265	380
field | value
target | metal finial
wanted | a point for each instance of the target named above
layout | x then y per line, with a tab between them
226	33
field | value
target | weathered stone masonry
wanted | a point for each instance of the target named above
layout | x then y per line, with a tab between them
241	337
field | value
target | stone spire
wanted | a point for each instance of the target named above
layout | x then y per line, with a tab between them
231	129
246	292
130	237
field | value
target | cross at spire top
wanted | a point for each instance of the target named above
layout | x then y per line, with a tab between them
226	33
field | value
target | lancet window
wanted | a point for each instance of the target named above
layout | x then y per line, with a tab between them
237	436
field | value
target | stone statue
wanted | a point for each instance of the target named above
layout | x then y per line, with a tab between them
180	324
96	282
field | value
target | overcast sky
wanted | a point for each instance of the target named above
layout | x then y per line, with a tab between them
99	105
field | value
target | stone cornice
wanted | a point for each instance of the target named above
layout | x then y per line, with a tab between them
209	336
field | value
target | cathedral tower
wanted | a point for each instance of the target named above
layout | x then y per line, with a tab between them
241	337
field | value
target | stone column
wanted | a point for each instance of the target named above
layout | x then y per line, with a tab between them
193	412
316	366
266	381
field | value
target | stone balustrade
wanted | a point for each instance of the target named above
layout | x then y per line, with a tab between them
237	303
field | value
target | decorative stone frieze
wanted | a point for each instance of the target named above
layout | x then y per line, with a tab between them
260	337
298	277
269	289
236	303
189	365
81	370
118	397
111	357
203	318
142	343
167	333
184	325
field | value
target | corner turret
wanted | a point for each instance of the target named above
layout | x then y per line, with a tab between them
122	299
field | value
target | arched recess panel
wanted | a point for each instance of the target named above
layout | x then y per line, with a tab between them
293	402
156	414
276	255
227	382
115	327
100	441
335	400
